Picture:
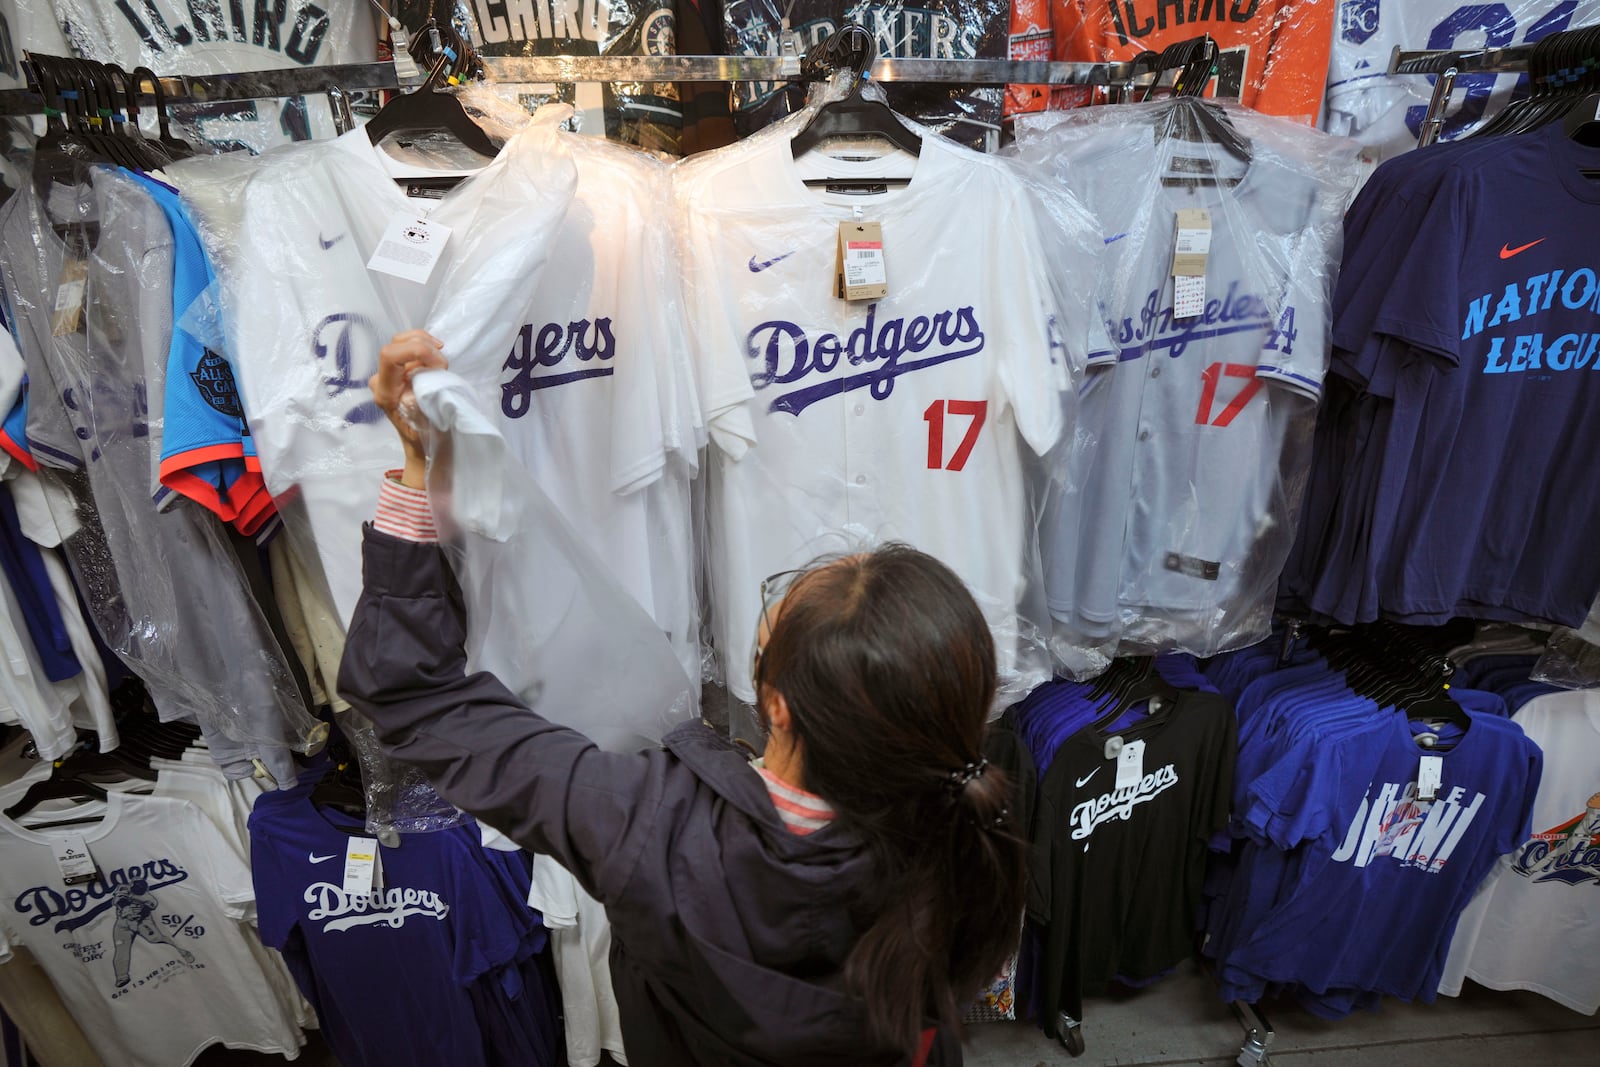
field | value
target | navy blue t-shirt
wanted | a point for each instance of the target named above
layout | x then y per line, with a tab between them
1483	505
393	976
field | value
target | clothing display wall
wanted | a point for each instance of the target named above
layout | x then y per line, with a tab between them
1270	485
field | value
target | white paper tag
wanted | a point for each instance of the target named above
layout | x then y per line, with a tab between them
1188	296
1195	241
410	247
1130	764
1429	774
70	296
360	859
77	866
863	264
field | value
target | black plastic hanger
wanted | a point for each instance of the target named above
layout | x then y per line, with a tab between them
852	48
426	108
175	147
55	787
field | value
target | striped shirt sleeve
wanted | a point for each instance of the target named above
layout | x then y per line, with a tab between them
404	512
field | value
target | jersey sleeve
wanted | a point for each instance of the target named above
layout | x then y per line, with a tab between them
1034	360
723	383
639	432
202	452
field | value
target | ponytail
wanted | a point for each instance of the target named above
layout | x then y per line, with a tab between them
887	667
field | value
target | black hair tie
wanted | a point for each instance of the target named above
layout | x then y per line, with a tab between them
957	780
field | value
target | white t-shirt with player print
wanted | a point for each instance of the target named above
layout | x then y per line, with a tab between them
151	956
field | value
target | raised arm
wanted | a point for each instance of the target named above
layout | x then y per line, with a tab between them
548	787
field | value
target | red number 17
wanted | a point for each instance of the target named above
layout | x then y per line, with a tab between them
976	410
1208	395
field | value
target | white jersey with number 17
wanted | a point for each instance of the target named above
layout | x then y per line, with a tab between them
842	423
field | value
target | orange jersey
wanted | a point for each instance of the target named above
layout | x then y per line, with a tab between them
1274	52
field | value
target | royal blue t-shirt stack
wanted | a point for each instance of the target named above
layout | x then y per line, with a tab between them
1346	883
1452	474
439	964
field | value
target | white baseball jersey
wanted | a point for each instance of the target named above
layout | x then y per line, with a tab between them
306	317
1385	113
1170	519
841	423
1531	924
595	396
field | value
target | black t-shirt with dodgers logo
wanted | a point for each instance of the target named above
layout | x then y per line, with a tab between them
1117	872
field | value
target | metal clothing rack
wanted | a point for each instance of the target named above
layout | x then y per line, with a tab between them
353	77
1447	65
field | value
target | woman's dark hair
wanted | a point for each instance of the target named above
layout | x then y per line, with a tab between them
888	669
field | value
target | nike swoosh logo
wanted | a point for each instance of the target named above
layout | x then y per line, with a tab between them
329	244
318	859
1118	237
1506	251
757	268
1085	781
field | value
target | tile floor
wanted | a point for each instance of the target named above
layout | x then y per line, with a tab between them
1181	1022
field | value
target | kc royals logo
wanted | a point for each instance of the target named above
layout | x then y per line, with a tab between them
214	378
785	355
1358	20
79	905
591	343
1568	853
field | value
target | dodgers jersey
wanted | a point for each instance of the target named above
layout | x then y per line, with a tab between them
1386	113
306	317
595	396
1169	523
842	423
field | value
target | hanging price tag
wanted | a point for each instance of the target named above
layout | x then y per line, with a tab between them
861	270
69	297
360	861
410	248
77	866
1192	248
1429	775
1130	764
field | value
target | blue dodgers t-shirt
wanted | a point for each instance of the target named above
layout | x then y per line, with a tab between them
1499	312
390	976
1377	901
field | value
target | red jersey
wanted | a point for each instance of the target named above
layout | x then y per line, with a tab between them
1274	52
